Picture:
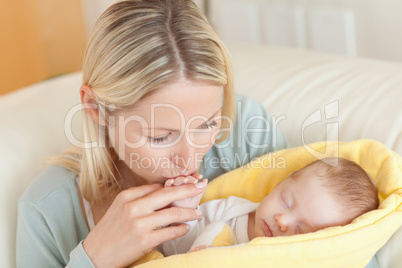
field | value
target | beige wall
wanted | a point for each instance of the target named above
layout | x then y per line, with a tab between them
39	39
363	28
94	8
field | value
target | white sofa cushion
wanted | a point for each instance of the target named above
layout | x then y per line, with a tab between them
367	94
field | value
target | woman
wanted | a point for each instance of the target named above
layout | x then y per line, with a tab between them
159	104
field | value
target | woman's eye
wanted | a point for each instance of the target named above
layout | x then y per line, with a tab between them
160	139
209	125
206	126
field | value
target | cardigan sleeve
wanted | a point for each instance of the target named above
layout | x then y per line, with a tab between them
51	226
38	246
35	243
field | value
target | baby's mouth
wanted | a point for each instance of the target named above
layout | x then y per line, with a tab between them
267	230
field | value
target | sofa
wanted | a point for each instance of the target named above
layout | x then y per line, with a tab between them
311	96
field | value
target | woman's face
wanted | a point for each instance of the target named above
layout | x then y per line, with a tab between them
168	133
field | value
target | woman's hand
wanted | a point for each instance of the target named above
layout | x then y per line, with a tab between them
133	225
198	248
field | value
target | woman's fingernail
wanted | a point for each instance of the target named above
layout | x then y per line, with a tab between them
188	226
201	185
198	212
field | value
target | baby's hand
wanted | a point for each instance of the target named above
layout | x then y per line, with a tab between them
188	202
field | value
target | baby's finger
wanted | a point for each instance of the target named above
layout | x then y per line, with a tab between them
191	179
169	182
205	181
180	180
198	176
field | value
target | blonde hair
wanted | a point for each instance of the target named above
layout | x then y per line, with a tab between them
350	185
137	47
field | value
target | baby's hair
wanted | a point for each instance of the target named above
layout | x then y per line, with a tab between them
351	186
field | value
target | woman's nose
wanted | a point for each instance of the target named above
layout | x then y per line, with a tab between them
185	156
283	222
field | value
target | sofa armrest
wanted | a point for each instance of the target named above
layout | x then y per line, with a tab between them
31	128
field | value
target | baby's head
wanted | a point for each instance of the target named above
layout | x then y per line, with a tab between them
328	192
348	184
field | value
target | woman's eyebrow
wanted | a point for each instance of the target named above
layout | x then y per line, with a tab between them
175	130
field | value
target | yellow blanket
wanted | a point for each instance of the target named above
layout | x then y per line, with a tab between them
352	245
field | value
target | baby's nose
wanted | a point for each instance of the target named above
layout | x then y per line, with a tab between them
282	222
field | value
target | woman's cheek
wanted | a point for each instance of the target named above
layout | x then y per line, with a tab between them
203	141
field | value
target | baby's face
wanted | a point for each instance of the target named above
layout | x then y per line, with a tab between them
297	205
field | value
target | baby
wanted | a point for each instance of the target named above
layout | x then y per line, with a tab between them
328	192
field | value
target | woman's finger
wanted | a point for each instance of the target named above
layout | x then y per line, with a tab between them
197	248
169	216
135	193
169	233
167	195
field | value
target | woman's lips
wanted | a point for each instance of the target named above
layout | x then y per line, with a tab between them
267	230
183	175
